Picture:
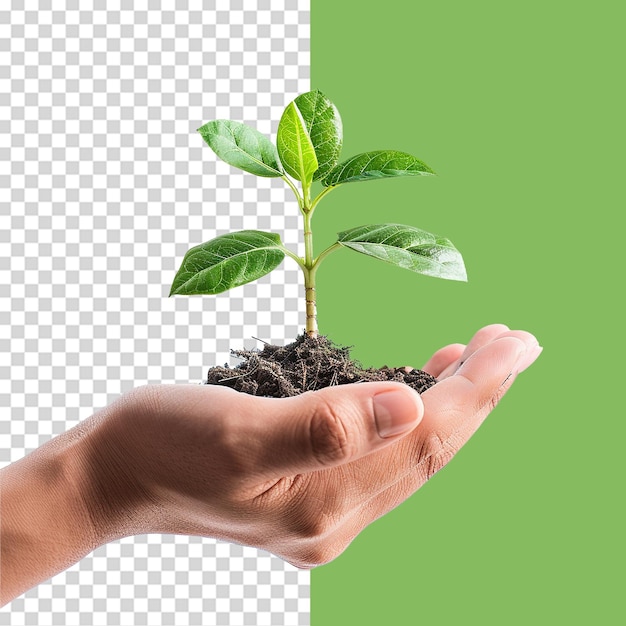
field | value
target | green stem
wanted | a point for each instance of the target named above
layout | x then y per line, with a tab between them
309	289
298	259
295	191
325	253
308	240
310	265
311	313
309	277
320	195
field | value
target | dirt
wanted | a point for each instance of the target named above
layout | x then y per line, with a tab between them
305	365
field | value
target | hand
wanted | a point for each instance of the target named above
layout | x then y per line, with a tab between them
300	477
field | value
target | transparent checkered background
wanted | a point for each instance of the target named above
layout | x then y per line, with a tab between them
104	185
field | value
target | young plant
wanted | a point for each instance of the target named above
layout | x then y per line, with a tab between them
307	149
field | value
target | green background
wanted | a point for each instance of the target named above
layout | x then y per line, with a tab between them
519	108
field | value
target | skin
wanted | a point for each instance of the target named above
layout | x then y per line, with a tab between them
300	477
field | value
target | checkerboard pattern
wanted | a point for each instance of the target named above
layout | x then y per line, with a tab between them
104	185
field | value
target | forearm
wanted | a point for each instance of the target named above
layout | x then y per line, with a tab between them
44	527
62	501
73	494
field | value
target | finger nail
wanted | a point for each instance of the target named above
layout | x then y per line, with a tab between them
396	412
528	359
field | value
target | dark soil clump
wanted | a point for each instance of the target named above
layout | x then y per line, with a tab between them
306	365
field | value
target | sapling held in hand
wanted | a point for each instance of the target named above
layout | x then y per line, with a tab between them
308	145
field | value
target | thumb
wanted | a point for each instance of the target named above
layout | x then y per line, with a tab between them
332	426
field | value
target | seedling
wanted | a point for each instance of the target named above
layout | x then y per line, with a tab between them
307	149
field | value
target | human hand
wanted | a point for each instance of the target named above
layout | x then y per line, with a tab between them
302	476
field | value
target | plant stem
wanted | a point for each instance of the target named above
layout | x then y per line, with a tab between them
309	272
308	240
298	259
306	264
309	289
295	191
321	195
309	264
311	313
325	253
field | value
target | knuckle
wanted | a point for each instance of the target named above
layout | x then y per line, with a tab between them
312	522
313	526
330	440
434	454
489	399
314	516
317	554
499	394
323	554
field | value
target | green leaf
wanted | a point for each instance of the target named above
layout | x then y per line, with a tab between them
376	164
408	247
228	261
243	147
294	146
323	124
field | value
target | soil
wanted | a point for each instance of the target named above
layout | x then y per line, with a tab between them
305	365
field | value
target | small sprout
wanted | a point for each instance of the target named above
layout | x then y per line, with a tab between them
307	149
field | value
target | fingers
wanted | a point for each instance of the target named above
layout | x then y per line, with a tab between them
454	409
457	406
341	501
480	339
326	428
443	358
462	401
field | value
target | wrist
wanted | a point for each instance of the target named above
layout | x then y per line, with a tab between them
45	527
80	490
111	488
